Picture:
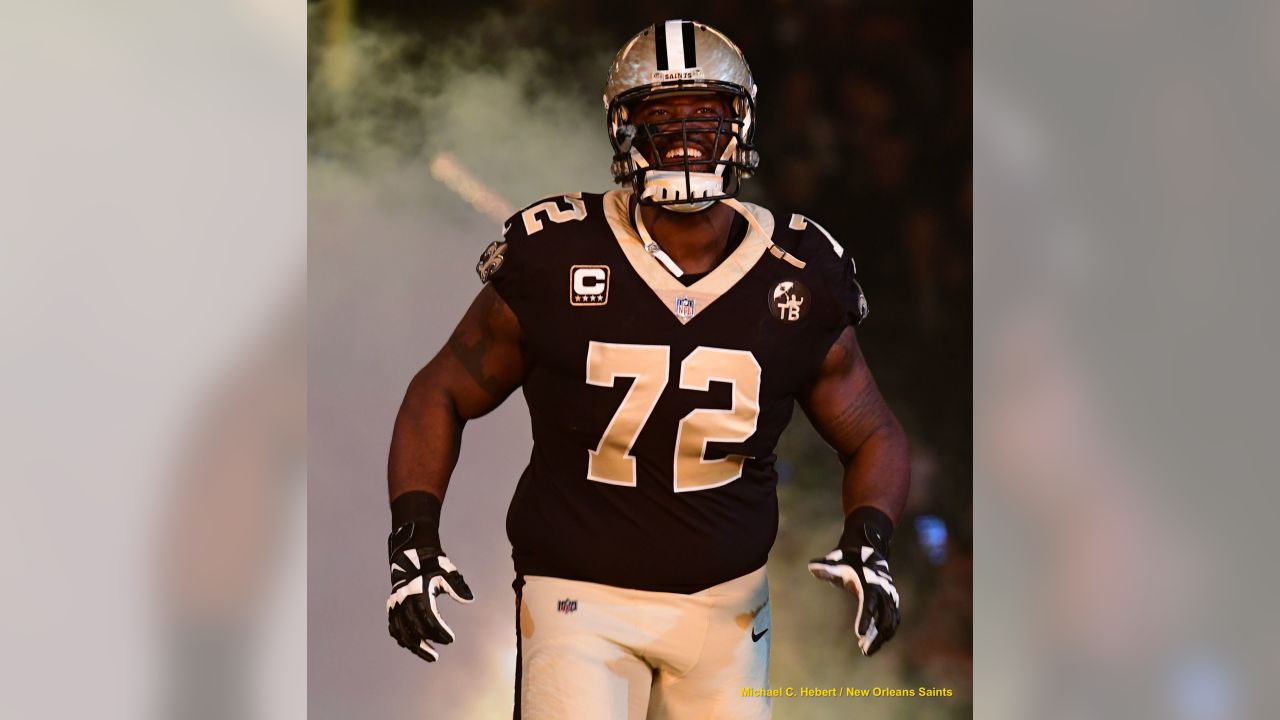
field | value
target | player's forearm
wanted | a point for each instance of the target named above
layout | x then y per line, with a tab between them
424	450
878	473
426	438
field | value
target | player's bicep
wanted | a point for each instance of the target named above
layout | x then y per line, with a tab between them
843	402
483	361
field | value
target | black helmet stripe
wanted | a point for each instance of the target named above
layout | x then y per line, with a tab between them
674	45
660	44
690	50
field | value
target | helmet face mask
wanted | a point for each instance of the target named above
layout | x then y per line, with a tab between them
670	138
717	149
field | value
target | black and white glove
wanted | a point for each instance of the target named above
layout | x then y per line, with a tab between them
860	565
420	573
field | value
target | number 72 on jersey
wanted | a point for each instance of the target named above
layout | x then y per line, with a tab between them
648	366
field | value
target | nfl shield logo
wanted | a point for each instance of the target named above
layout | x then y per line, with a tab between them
684	308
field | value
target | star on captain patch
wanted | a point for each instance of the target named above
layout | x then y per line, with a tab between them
684	308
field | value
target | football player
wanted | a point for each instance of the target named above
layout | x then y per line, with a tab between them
661	334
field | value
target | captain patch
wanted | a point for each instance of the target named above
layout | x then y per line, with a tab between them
588	285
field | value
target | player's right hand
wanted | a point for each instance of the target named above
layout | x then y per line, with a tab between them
420	575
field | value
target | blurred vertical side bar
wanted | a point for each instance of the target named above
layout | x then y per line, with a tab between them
152	282
1125	337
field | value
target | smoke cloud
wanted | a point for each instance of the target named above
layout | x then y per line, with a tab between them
415	144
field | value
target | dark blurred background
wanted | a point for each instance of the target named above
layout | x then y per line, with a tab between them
865	126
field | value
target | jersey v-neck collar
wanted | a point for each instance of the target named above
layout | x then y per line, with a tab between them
686	303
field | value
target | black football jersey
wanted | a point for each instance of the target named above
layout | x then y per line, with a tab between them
655	406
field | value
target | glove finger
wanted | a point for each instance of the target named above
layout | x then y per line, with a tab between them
416	619
837	574
426	652
869	643
422	649
870	609
402	626
399	628
393	629
456	586
887	616
821	570
887	622
434	628
831	558
881	637
878	641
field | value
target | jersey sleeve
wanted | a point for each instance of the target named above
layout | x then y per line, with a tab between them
838	299
832	263
510	264
843	284
499	265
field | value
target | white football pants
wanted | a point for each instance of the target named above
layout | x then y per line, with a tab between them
597	652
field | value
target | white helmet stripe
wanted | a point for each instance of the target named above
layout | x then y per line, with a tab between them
681	51
675	45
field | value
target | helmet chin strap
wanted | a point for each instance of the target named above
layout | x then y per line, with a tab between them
751	219
671	184
654	249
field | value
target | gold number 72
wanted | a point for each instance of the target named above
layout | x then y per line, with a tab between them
611	462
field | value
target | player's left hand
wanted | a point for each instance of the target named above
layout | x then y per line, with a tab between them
862	569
